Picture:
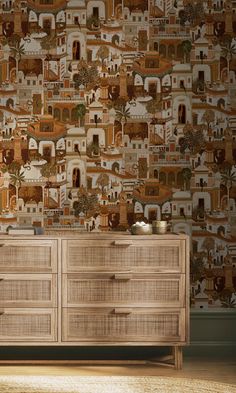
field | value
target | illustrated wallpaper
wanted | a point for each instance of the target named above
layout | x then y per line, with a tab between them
117	111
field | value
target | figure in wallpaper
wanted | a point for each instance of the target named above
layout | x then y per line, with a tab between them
118	111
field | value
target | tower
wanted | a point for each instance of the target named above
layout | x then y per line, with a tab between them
123	81
228	17
17	18
17	146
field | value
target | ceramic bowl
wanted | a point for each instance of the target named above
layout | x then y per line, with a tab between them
141	229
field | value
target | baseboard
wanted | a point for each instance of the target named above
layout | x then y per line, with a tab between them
211	331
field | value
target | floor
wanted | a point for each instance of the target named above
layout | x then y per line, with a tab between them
215	369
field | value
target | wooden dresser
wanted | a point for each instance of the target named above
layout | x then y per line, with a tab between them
95	289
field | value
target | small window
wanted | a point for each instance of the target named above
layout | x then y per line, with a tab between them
28	209
134	146
28	83
134	18
34	210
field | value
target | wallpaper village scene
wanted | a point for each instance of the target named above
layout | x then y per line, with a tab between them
117	111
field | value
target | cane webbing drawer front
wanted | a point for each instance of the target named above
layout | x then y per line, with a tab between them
28	290
123	325
28	256
28	324
119	288
123	254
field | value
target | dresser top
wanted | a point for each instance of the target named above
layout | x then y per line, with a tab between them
95	236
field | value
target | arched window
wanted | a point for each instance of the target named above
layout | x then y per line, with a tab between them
162	50
76	178
10	102
162	178
74	114
115	167
65	114
57	114
155	47
155	173
76	50
171	51
171	178
182	114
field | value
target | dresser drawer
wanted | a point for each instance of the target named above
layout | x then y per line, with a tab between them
28	290
123	325
28	256
28	325
121	288
112	255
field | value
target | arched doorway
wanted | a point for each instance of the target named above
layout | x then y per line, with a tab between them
76	50
76	178
182	114
50	110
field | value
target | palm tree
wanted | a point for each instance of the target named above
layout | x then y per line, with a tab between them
17	51
17	179
122	115
228	52
228	178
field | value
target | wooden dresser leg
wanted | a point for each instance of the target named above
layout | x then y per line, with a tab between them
178	357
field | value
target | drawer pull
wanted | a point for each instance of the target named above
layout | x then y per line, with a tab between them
2	312
122	276
124	311
123	243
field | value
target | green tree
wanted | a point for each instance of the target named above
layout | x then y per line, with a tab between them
86	75
80	111
154	106
228	178
186	174
208	245
186	47
86	203
103	53
103	181
208	118
193	140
